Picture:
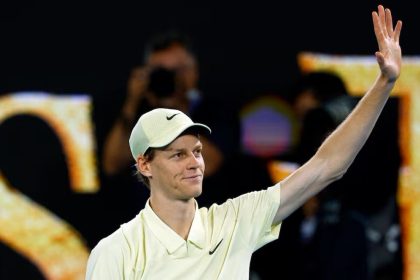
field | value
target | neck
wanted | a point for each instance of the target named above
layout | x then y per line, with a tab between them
177	214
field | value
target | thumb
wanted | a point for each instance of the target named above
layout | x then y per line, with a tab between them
380	58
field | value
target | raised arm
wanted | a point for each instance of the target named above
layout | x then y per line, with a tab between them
338	151
116	153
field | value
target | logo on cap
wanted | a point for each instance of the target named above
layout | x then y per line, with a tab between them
171	117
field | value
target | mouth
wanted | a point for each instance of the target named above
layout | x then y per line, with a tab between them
193	177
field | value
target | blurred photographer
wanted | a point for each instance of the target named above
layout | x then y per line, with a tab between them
167	79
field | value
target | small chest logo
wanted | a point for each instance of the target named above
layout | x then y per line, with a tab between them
215	248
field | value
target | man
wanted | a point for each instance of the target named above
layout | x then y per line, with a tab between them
171	238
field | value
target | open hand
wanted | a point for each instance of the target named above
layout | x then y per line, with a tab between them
389	54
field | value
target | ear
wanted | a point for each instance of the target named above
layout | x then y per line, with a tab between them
143	166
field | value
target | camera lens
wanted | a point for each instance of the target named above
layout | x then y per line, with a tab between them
162	82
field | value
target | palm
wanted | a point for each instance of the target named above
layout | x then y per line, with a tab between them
389	54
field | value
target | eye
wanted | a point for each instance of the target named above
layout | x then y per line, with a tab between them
198	152
177	155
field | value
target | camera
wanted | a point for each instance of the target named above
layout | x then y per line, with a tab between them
162	82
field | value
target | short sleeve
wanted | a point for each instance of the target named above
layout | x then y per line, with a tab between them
105	261
256	211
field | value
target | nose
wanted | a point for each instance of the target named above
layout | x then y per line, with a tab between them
194	161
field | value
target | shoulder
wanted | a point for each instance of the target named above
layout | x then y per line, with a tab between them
121	241
269	193
250	200
109	245
248	217
115	255
106	258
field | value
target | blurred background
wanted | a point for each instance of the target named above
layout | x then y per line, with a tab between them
64	67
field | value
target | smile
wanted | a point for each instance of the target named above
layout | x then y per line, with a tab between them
193	177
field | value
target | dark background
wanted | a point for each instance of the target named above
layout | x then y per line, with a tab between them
245	47
244	50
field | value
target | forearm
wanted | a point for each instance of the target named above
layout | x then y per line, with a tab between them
336	153
342	146
116	153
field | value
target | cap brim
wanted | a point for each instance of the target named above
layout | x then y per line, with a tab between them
196	127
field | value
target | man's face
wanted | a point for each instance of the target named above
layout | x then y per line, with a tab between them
177	171
178	59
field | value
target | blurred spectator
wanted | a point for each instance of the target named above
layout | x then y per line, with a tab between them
169	78
368	216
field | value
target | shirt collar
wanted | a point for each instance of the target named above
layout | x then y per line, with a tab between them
197	234
168	237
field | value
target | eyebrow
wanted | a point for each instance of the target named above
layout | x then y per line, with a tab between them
170	149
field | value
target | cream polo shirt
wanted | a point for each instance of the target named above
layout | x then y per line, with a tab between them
219	246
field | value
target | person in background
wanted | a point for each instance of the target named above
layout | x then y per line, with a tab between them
322	103
169	77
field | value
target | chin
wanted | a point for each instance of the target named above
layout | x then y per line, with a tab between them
198	193
196	190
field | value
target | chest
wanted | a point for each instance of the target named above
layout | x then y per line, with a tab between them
221	255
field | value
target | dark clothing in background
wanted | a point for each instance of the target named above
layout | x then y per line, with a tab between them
358	212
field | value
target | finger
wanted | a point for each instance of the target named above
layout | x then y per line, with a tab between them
377	27
397	31
381	12
388	22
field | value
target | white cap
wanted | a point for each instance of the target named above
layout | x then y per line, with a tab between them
158	128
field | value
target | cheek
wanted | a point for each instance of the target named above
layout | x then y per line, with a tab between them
175	171
190	77
186	78
202	163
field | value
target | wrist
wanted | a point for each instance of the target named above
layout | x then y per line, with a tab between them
388	80
126	120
